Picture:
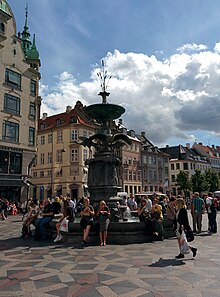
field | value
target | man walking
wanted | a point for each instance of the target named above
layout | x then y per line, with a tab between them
198	207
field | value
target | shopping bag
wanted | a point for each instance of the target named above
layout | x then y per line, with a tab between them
184	246
189	235
64	226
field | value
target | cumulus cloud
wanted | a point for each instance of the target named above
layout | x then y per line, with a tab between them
165	98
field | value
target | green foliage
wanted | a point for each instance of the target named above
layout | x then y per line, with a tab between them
183	181
205	182
213	180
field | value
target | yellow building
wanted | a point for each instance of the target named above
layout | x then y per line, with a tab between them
19	105
60	166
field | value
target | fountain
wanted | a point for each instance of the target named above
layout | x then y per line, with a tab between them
103	181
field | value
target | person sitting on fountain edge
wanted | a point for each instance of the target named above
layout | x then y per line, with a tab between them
86	222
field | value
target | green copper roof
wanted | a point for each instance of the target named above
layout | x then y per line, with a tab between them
33	53
4	7
26	43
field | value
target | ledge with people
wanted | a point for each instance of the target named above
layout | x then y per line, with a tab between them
65	219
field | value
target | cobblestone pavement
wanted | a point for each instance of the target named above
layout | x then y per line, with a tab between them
32	269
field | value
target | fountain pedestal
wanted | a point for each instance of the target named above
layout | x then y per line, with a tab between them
103	177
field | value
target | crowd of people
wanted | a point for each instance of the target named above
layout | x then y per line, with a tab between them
151	212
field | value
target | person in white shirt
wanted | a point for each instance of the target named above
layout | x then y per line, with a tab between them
211	210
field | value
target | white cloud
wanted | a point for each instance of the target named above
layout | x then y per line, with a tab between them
191	47
165	99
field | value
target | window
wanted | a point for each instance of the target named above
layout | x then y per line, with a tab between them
166	169
49	172
74	135
58	122
59	156
33	87
173	178
41	159
154	160
134	175
41	173
130	175
59	136
125	175
84	155
139	175
50	138
42	140
73	119
13	78
85	133
10	131
150	175
134	161
155	175
129	161
49	158
2	27
35	174
149	160
74	155
185	166
177	166
172	166
31	136
32	111
12	104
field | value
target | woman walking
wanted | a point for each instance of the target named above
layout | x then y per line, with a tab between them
103	215
182	223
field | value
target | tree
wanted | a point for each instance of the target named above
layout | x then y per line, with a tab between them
183	181
212	179
198	181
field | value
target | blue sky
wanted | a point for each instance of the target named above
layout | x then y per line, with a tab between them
164	58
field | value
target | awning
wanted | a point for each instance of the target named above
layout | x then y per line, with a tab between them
12	183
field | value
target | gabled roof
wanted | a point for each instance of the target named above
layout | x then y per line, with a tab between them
183	153
65	119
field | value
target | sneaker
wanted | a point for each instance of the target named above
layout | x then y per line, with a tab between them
194	251
60	238
180	256
84	242
56	239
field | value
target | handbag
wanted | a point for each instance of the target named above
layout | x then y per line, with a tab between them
184	246
189	235
64	226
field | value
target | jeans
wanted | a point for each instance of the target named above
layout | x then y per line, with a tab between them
40	225
212	222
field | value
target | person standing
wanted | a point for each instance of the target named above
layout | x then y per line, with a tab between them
212	213
181	224
86	222
198	207
103	215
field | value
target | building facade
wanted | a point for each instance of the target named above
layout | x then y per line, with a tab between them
155	167
186	159
131	165
60	165
19	105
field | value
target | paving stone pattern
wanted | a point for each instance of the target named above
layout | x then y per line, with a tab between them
46	269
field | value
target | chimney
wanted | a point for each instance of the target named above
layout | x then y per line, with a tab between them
68	108
143	134
213	146
120	121
200	143
167	145
44	116
188	145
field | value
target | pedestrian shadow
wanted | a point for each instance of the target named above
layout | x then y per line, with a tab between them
167	262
